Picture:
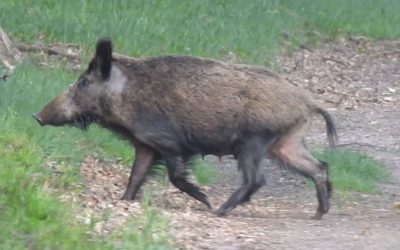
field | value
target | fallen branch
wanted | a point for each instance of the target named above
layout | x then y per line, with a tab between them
46	49
52	51
10	52
124	57
333	60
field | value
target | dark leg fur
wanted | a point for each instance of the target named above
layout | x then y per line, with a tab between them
178	176
249	155
324	189
257	185
325	166
143	163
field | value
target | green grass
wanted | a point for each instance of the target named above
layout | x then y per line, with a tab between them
33	218
29	217
252	30
153	233
354	171
203	172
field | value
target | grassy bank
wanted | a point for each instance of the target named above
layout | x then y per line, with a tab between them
33	218
252	30
354	171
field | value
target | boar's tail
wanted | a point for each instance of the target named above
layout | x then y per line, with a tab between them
330	127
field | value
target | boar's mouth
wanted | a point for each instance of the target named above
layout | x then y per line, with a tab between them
82	121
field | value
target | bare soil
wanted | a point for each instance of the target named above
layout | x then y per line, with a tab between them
359	82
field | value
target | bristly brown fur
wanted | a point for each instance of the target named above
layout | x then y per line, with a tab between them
174	107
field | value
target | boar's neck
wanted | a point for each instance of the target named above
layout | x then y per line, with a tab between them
119	129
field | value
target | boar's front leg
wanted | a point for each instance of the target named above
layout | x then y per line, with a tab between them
144	160
178	176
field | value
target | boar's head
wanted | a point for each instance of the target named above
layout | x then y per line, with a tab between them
88	99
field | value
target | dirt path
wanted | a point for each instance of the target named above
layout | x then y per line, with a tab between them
279	217
359	81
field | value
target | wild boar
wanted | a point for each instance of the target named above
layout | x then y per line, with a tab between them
175	107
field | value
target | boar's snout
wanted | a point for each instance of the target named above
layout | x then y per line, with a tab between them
38	119
51	116
57	112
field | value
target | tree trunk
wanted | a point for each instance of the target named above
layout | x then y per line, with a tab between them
9	53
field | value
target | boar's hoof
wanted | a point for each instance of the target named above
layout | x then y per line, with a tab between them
317	216
127	197
207	203
221	212
200	196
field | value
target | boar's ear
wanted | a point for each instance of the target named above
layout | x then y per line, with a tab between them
104	56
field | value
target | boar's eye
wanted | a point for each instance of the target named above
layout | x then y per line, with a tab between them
83	82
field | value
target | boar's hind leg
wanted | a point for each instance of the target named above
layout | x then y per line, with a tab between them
250	155
144	159
178	176
291	151
260	181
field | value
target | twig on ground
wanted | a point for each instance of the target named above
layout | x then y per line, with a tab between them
45	49
333	60
376	147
